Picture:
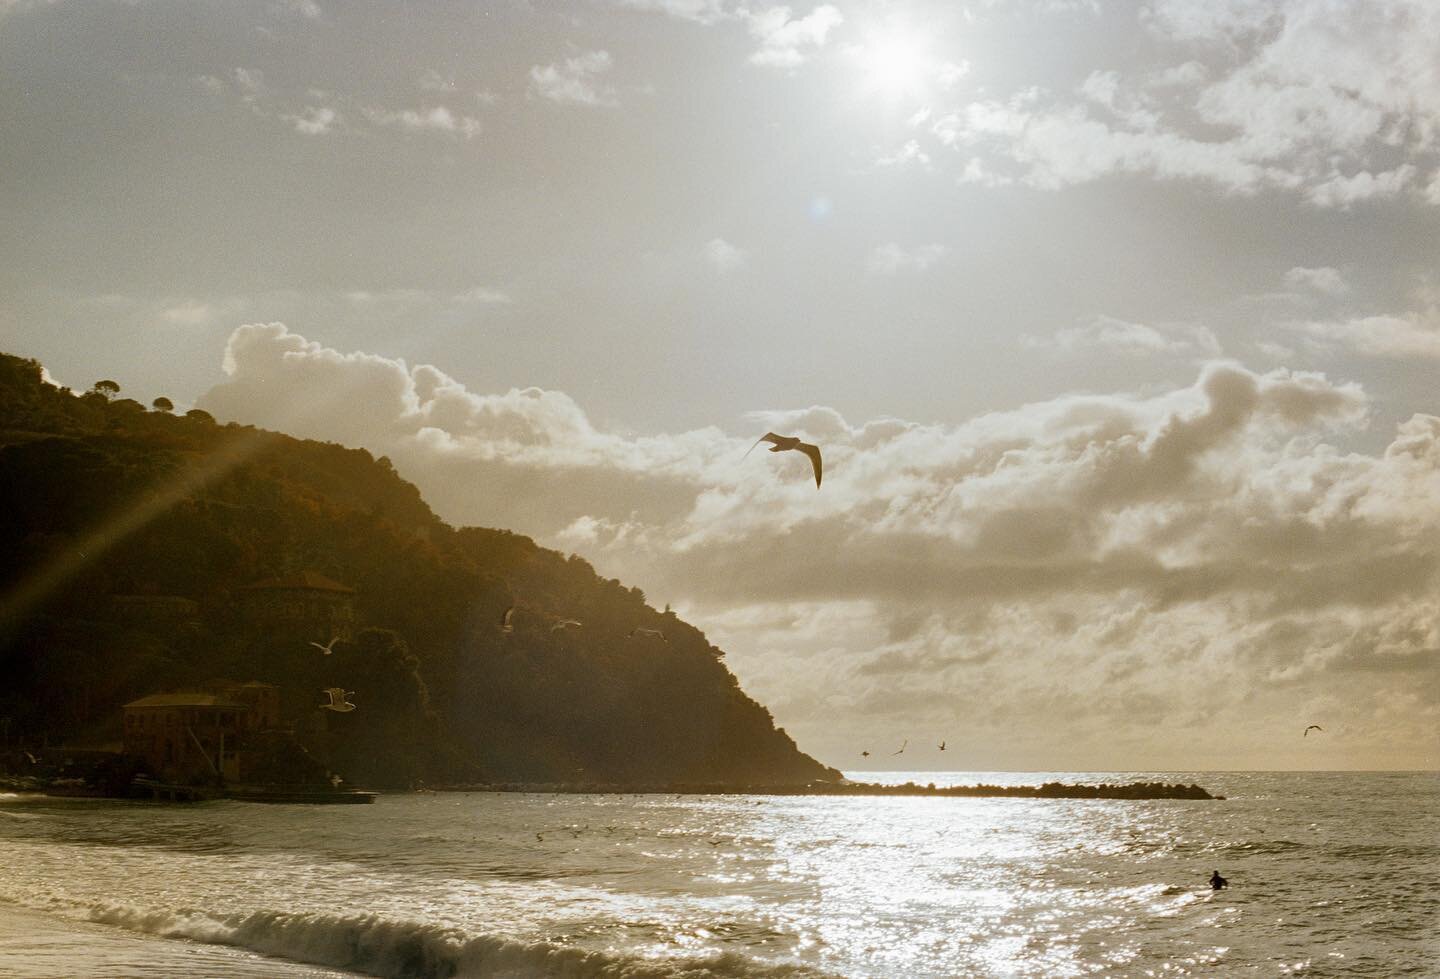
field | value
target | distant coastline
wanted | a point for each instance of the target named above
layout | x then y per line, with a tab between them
1048	790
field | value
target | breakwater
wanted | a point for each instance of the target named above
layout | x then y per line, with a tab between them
1048	790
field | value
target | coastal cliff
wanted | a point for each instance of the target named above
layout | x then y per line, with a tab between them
150	551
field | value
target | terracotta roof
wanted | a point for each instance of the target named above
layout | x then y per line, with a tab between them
185	700
313	580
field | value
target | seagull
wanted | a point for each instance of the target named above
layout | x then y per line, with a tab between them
942	745
1312	727
903	745
540	837
864	754
565	624
328	648
651	633
338	703
780	443
505	623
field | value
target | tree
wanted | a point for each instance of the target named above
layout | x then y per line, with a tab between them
200	415
163	403
107	388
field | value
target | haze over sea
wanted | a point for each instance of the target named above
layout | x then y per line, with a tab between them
1331	874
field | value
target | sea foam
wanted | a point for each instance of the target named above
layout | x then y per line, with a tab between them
380	946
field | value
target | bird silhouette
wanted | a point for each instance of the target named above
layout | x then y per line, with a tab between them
505	624
781	443
903	746
338	701
649	633
1312	727
566	624
328	648
942	745
864	754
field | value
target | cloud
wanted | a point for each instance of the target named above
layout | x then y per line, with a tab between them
1128	339
307	9
892	259
1402	336
724	257
189	313
314	121
908	155
1088	565
1324	280
1303	96
1342	191
575	81
433	81
699	11
435	119
786	41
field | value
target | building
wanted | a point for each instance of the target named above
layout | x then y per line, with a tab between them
261	700
186	736
306	605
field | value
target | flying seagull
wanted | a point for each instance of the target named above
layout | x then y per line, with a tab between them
338	703
780	443
903	746
650	633
505	624
328	648
1312	727
864	754
565	624
942	745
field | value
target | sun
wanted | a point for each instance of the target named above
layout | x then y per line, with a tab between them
893	63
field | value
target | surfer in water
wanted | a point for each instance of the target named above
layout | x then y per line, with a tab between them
1217	882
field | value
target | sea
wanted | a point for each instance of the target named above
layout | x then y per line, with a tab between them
1329	875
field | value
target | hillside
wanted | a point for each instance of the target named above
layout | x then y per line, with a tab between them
132	536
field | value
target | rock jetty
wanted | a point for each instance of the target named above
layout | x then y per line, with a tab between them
1048	790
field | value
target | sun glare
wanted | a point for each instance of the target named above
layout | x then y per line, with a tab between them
893	64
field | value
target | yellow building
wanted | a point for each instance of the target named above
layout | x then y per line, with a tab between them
185	736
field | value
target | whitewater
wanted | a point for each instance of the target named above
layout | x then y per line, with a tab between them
1331	875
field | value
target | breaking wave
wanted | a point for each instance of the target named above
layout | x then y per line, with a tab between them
384	947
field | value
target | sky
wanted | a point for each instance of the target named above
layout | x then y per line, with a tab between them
1118	325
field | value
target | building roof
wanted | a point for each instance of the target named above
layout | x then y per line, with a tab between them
312	580
185	700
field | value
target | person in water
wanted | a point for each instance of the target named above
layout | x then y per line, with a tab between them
1217	882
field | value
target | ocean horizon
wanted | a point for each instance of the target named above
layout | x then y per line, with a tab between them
1329	874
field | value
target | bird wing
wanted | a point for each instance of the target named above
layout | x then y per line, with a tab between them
767	437
319	647
508	613
813	451
903	745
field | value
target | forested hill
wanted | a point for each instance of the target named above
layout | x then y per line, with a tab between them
109	507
